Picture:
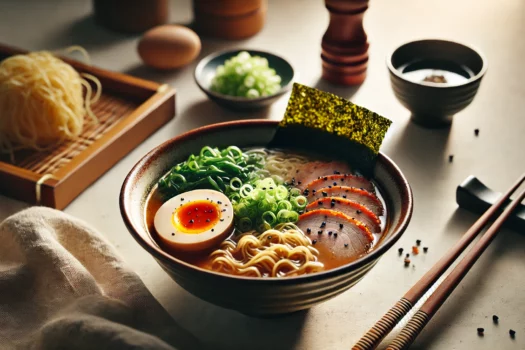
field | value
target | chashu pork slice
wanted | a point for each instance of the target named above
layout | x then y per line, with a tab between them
345	237
347	180
350	208
311	171
357	195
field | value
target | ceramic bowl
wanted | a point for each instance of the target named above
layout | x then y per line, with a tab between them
433	104
205	71
248	295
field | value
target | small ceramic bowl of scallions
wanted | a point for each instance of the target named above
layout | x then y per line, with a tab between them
244	79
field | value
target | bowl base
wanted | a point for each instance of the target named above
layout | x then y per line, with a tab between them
432	121
274	315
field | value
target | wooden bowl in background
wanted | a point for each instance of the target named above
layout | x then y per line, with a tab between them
229	19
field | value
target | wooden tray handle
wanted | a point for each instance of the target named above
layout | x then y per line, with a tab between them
410	332
379	331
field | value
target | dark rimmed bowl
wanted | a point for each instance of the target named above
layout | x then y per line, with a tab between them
205	71
253	296
434	104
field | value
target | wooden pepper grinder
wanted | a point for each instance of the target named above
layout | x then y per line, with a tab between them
344	45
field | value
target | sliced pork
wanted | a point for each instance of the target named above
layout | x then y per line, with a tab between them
352	209
344	236
313	170
357	195
348	180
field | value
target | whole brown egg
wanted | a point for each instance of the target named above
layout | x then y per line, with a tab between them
169	46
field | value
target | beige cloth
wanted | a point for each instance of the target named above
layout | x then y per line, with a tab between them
63	286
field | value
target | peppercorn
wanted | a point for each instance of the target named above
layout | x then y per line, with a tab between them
400	250
481	331
495	318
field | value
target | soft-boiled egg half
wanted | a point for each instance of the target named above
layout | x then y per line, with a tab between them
194	221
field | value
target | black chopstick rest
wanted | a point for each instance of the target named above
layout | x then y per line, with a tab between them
476	197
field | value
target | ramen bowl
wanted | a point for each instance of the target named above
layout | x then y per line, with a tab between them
435	79
254	295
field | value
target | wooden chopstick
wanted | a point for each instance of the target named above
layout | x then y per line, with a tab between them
443	291
380	330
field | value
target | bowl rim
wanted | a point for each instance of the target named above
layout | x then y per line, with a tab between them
159	254
393	70
197	73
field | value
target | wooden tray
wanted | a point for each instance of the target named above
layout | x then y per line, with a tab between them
129	110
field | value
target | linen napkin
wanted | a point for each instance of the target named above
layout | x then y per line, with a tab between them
63	286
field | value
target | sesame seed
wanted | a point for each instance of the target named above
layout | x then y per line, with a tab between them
481	331
425	249
191	221
418	242
512	333
400	250
212	230
346	245
340	225
407	262
344	196
323	224
181	199
335	183
329	186
314	241
329	233
336	172
325	178
335	234
358	211
308	230
320	232
269	237
173	234
495	318
450	158
408	255
476	132
219	202
320	203
324	194
208	220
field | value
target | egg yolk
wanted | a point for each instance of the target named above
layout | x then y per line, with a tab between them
196	217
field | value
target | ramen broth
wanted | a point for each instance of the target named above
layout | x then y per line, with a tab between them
327	257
